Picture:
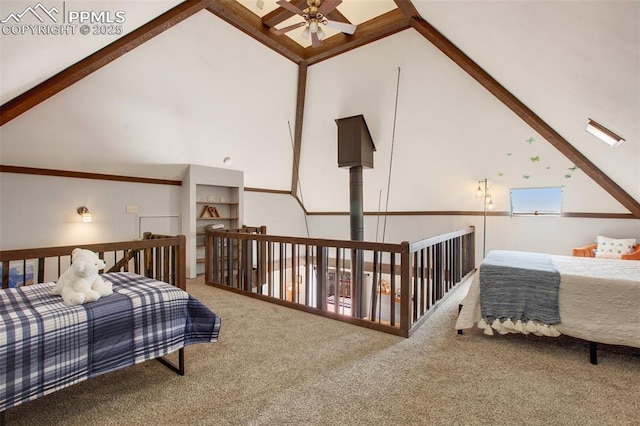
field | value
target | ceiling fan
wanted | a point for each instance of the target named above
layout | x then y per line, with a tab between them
314	15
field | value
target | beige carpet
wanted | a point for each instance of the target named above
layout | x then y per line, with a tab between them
278	366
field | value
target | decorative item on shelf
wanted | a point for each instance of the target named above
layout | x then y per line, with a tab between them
211	198
214	227
85	214
209	210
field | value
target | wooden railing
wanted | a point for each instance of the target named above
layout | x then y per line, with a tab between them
156	256
383	286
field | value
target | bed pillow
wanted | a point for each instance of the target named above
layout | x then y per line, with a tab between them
611	248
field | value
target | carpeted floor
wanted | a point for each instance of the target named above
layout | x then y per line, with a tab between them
278	366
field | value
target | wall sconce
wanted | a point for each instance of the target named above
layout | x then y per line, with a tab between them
602	133
482	192
85	214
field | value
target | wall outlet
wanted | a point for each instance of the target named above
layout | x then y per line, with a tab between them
132	209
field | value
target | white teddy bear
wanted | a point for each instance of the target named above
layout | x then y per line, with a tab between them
81	282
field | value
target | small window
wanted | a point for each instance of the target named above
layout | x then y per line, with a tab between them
536	201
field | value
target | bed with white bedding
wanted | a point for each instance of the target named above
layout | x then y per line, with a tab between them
598	299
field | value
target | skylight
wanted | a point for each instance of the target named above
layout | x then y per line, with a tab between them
602	133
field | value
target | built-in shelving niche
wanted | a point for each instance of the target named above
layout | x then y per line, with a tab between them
213	196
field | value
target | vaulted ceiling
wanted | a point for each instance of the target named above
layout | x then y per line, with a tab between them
375	19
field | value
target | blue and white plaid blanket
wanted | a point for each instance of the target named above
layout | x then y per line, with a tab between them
46	345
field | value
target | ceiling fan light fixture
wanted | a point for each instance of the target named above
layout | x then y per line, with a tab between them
313	15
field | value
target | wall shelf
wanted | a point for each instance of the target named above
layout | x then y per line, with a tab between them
212	196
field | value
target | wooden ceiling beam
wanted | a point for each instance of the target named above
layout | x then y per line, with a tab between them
526	114
407	8
249	23
281	14
335	15
367	32
102	57
297	136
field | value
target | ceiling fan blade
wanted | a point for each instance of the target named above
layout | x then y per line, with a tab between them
342	26
315	41
289	7
328	5
280	31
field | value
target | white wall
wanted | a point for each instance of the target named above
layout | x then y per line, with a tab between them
281	213
195	94
33	59
566	60
537	234
39	211
450	132
203	90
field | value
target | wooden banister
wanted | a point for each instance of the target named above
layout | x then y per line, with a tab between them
320	275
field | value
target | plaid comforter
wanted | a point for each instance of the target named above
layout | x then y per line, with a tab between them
46	345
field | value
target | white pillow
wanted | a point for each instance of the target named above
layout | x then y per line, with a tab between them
611	248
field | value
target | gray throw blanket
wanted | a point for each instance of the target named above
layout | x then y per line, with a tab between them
519	285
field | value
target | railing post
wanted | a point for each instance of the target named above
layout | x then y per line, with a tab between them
374	285
270	272
181	265
321	280
282	269
294	272
247	264
357	280
405	289
212	259
472	248
307	276
5	274
262	261
393	289
229	263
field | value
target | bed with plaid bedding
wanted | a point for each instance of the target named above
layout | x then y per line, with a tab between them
46	345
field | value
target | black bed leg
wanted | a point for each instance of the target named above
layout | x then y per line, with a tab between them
2	422
181	361
459	309
593	353
171	366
